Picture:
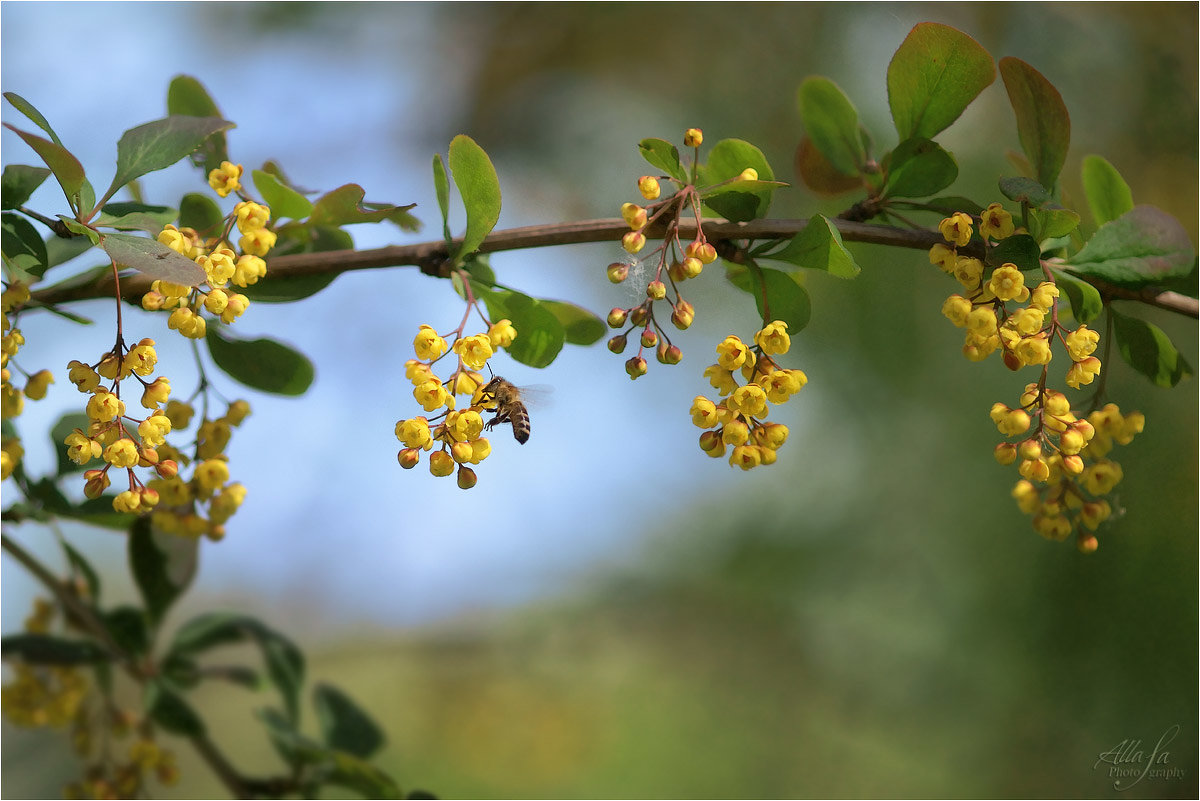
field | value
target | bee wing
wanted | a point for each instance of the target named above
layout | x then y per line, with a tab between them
537	396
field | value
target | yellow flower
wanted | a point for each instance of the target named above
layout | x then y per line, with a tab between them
1100	478
415	433
212	473
1044	295
1007	283
122	453
956	228
749	400
141	358
39	382
80	448
771	435
1033	350
995	222
693	137
427	344
105	406
956	309
731	353
441	464
474	351
735	433
502	334
648	186
431	394
943	256
82	376
1083	372
257	241
248	269
968	271
746	457
127	501
704	412
226	178
773	339
237	305
251	215
1027	321
1081	343
722	380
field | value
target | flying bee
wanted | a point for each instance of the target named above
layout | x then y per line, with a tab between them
505	398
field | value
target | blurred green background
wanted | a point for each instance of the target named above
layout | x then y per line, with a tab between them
870	617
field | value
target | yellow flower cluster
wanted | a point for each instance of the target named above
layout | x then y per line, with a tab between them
737	419
12	398
1065	472
222	266
458	433
202	504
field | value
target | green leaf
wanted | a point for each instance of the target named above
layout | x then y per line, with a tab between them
262	364
284	661
1025	190
18	182
441	187
1019	249
344	725
66	168
818	173
44	649
360	776
918	168
159	144
163	566
127	627
285	289
1143	246
935	74
947	205
136	217
1086	303
1043	124
168	709
58	435
786	299
819	247
283	199
479	187
1052	221
79	229
25	107
1148	350
1108	195
580	326
727	160
540	335
96	511
831	122
665	156
200	212
22	244
345	206
153	258
187	97
60	250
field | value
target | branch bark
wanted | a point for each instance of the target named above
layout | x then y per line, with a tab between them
431	257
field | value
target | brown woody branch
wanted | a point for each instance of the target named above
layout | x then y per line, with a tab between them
432	257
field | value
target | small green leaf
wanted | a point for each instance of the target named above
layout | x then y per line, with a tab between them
81	566
187	97
18	182
58	435
60	250
1019	249
935	74
479	187
665	156
819	247
153	258
159	144
1052	221
540	335
201	213
818	173
287	289
127	627
1143	246
66	168
1043	124
1086	303
344	725
786	299
79	229
580	326
168	709
441	187
346	770
1025	190
283	199
345	206
918	168
948	205
831	122
44	649
25	107
136	217
162	565
1108	195
727	160
1148	350
262	364
22	244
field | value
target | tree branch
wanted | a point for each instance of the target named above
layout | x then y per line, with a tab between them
432	257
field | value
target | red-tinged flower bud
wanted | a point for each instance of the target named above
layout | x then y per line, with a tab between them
149	497
710	441
639	316
1011	361
649	338
669	354
692	266
1086	543
466	478
636	367
408	457
1005	453
656	290
693	137
617	343
167	468
618	272
648	186
676	272
147	457
617	318
1072	465
95	483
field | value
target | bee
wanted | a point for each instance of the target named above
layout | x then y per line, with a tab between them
509	407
